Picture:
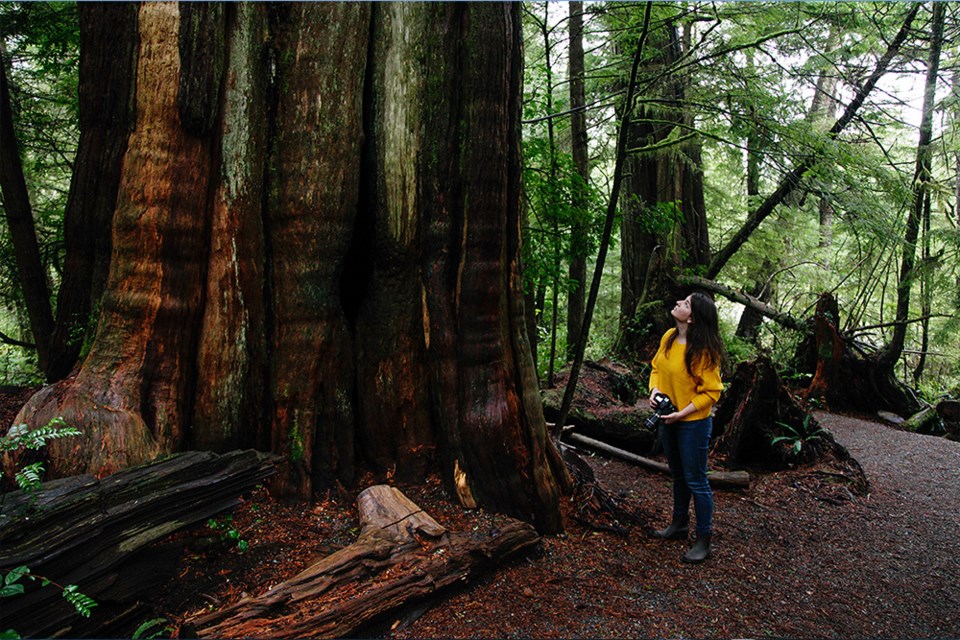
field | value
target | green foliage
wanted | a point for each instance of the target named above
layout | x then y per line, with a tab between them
21	437
154	628
13	586
29	479
18	366
799	435
41	44
228	532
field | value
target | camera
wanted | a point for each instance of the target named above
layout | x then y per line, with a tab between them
662	408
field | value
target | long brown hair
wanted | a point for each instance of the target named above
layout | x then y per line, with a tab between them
703	335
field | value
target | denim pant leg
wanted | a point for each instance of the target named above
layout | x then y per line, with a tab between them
686	445
671	449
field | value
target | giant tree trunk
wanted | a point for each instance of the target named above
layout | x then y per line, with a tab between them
356	216
664	223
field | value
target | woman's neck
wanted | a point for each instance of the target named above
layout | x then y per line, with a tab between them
682	332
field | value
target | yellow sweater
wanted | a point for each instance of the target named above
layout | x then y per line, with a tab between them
669	374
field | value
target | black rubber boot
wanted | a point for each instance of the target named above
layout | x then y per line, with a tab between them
700	550
679	529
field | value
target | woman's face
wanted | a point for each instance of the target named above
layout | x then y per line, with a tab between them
681	311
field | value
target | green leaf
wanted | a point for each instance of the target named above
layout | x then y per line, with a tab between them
141	631
15	574
11	590
9	634
81	602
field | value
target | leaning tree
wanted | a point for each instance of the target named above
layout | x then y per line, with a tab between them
315	250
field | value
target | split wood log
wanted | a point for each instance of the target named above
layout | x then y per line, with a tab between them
100	534
718	479
401	555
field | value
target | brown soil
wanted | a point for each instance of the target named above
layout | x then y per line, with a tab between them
795	555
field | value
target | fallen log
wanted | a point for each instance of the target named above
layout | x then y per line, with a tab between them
100	534
401	555
719	479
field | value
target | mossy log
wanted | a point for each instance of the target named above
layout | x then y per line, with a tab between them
609	404
101	535
401	555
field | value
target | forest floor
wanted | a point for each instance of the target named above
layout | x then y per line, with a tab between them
794	556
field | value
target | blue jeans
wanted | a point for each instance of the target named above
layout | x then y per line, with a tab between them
686	445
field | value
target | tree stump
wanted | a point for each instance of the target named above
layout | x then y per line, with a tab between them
846	375
760	424
401	554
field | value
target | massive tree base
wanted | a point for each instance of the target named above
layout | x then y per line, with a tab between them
760	424
101	535
402	554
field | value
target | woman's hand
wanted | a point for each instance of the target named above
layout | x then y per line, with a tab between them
653	394
670	418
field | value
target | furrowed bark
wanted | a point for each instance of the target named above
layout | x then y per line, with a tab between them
315	176
130	395
231	354
394	423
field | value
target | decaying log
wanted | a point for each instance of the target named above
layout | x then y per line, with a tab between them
949	412
719	479
100	534
401	555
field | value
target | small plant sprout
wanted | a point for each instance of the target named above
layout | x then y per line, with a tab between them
798	436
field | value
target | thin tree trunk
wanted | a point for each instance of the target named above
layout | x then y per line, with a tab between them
23	233
926	292
921	178
576	295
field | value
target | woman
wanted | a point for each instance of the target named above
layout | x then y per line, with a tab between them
687	369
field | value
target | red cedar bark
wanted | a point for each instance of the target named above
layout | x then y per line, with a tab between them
231	354
130	394
503	436
321	63
428	277
394	425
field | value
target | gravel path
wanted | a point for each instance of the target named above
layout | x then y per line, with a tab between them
911	521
